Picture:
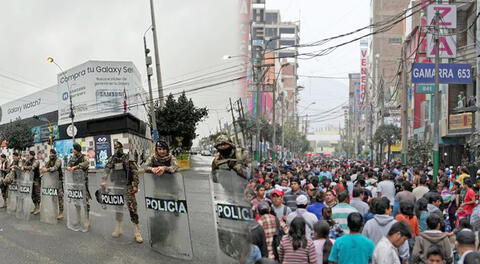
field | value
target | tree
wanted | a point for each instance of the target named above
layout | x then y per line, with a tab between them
387	134
419	152
179	118
18	135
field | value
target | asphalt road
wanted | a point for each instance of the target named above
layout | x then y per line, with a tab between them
36	242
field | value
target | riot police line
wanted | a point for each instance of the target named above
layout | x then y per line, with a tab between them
64	193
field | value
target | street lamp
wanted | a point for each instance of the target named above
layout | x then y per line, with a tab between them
72	115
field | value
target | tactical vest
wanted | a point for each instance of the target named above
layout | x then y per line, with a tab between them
76	160
157	162
36	171
51	163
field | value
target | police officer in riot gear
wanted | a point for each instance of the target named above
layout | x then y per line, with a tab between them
78	161
228	157
162	161
32	164
3	174
120	161
54	164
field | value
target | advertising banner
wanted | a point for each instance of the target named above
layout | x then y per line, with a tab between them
42	133
460	121
363	71
103	150
64	150
38	103
98	90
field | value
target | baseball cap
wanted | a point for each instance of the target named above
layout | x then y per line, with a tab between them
302	200
277	192
466	237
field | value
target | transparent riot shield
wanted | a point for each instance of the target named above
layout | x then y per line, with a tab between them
167	214
116	224
12	198
75	198
11	178
49	198
232	216
24	200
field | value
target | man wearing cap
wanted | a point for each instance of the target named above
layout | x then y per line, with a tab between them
162	161
466	246
228	157
78	161
54	164
310	219
32	164
119	157
281	210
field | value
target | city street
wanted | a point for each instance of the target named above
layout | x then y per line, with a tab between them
35	242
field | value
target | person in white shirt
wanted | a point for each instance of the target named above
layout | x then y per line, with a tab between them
386	188
310	219
421	189
386	250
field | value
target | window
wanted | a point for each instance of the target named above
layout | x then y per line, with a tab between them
272	44
284	42
271	32
289	30
394	40
271	18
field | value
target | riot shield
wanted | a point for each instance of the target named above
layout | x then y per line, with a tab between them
167	215
116	224
12	198
75	197
12	191
24	200
49	198
232	216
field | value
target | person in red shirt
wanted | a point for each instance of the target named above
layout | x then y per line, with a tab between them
469	201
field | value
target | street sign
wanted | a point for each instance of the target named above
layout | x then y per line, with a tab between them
449	73
426	88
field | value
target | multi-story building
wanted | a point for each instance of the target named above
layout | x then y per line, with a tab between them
457	116
384	57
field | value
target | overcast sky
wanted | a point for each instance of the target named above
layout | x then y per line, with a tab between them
193	36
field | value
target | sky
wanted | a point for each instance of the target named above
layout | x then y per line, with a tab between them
194	36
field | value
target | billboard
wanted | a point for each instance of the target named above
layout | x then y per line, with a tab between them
41	102
99	89
64	150
103	150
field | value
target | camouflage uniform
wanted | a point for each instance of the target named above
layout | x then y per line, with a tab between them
3	175
169	162
132	181
229	159
34	166
54	165
82	163
12	176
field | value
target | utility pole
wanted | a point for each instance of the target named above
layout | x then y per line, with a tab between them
404	106
477	116
153	117
242	119
283	128
234	122
274	139
157	56
436	113
258	155
306	124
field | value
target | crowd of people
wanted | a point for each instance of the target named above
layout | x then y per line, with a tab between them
345	211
